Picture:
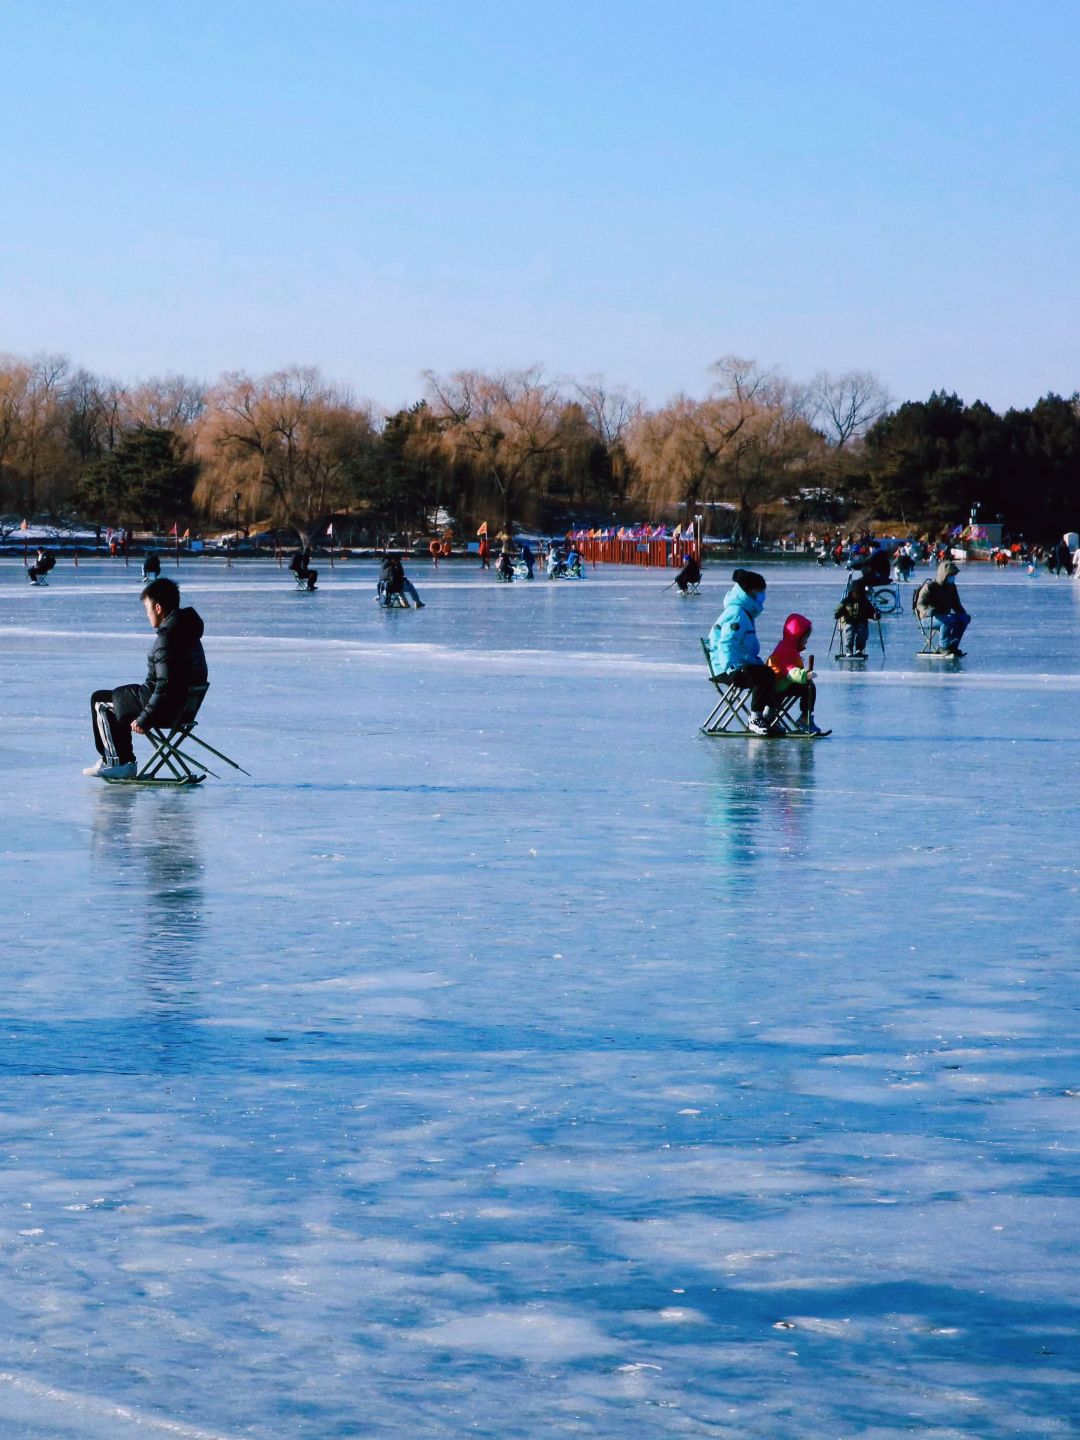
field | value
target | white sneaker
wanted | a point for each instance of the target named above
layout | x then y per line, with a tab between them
96	768
119	772
758	725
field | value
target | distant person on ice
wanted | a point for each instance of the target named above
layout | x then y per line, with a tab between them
876	568
151	567
736	650
300	565
792	673
938	601
176	663
1059	560
855	612
690	574
41	567
394	581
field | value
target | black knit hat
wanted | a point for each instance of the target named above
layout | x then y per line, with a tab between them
749	580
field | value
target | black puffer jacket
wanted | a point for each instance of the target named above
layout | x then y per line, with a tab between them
392	574
176	662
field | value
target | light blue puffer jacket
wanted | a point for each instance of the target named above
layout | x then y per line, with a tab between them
733	640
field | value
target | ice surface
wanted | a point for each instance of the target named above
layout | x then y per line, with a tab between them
507	1059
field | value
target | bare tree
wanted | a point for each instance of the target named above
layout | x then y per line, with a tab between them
168	402
94	415
505	426
844	407
33	449
611	410
287	441
679	449
745	443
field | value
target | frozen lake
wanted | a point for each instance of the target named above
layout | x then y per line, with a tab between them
505	1058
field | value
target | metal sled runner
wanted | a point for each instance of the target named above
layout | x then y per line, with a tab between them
169	764
932	648
391	600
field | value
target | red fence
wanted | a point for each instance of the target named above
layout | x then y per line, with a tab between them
623	550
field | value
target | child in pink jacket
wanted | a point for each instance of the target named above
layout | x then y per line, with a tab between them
791	671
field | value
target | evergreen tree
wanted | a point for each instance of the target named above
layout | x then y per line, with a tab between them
147	478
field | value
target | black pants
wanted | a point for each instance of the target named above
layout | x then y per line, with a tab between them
112	712
35	573
807	694
758	679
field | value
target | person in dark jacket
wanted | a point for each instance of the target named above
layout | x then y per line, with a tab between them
394	581
1059	560
875	567
690	574
151	567
855	612
300	565
175	664
41	567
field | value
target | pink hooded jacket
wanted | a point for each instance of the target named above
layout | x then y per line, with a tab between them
786	661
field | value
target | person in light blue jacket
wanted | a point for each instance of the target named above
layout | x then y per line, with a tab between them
733	640
736	651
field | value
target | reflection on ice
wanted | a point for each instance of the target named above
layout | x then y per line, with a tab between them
505	1058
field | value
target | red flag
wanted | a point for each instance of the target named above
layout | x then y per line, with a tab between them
483	529
330	529
174	530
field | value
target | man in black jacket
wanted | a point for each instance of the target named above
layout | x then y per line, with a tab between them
176	663
41	567
300	565
394	581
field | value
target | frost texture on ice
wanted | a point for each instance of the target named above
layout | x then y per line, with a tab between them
504	1058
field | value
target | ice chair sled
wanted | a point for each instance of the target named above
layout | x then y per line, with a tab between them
394	600
932	648
731	714
302	583
179	768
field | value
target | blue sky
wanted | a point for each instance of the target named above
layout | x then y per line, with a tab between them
616	188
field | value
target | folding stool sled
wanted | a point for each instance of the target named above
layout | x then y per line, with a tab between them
731	714
169	764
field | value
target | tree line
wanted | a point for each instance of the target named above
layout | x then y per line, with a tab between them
291	448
